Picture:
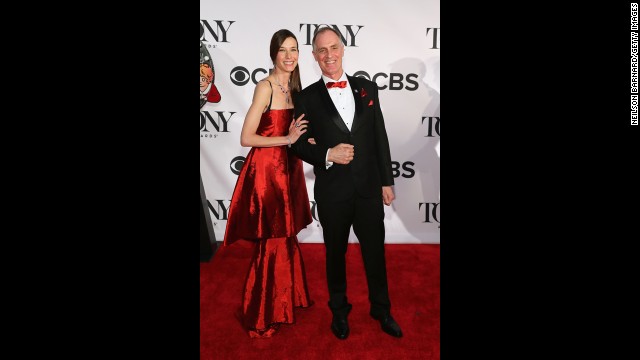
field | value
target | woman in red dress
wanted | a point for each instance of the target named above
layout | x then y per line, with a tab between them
270	205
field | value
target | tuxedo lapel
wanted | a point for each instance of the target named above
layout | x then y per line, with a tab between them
332	112
357	119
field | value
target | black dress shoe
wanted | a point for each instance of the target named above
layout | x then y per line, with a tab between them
340	327
389	325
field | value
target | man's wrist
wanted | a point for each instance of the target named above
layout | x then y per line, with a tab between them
327	163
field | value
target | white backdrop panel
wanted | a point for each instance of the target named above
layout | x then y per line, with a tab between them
394	43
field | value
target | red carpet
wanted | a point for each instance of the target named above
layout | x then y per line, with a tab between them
414	288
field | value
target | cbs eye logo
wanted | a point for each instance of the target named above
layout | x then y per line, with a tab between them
236	164
240	75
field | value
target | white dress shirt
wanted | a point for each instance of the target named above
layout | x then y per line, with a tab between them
342	99
344	102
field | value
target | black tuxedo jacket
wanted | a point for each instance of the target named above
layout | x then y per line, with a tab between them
370	168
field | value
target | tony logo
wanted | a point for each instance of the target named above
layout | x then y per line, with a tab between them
208	90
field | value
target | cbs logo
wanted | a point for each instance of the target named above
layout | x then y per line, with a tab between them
407	166
396	80
236	164
240	75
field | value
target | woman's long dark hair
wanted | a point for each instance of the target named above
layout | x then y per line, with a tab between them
276	41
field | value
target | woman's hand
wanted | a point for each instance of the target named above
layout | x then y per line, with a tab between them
297	128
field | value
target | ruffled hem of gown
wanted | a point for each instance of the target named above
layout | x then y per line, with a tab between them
275	286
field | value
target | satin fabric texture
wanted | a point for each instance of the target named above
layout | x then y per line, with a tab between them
269	207
270	197
276	283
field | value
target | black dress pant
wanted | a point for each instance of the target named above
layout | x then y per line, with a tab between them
366	215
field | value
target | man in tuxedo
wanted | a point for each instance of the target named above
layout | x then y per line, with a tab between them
352	164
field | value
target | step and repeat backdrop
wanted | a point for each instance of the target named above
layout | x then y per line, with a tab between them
396	44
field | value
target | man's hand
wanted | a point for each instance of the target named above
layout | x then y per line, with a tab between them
341	154
387	195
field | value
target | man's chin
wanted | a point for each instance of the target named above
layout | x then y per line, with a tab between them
332	73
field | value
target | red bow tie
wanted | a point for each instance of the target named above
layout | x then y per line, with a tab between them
340	84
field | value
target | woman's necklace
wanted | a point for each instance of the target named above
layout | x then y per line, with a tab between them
285	92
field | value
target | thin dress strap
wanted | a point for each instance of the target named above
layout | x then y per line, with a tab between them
270	97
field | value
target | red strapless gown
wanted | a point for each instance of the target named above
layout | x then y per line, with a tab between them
270	206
